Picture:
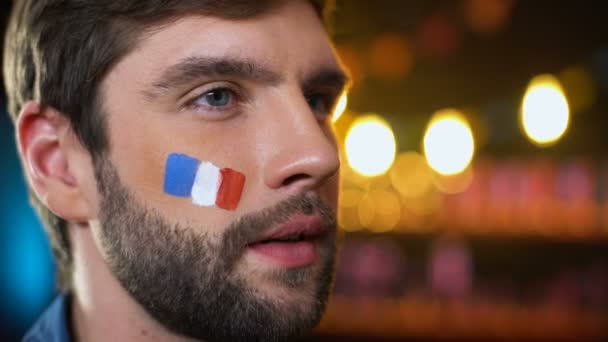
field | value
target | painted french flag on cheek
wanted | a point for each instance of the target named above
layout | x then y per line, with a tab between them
207	184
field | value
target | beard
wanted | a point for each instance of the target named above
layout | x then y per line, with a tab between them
188	279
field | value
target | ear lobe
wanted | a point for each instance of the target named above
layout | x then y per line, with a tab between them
39	136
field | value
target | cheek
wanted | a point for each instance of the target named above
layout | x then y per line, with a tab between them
142	160
331	190
137	151
207	185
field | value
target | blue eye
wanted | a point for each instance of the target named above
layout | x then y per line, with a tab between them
220	97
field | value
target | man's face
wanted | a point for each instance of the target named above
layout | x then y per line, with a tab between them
252	95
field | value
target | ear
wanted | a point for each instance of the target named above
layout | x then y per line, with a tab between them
42	138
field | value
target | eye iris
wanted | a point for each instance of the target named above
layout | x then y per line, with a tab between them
218	98
317	104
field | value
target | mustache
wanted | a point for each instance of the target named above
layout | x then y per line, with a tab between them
249	227
232	242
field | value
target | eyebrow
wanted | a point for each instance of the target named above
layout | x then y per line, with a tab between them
194	68
328	77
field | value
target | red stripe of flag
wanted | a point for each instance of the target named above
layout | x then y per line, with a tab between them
231	188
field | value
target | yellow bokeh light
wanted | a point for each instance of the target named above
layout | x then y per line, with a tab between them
390	56
448	142
367	211
340	107
425	206
388	210
348	218
379	211
545	114
454	184
370	146
410	175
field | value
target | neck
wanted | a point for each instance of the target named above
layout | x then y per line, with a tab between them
102	310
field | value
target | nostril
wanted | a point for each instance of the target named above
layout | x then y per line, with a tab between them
295	178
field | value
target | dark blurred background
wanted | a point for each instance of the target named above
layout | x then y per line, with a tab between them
469	213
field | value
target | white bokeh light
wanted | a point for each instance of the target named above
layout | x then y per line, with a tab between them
448	142
545	114
370	146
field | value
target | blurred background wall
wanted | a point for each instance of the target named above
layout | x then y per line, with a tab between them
474	195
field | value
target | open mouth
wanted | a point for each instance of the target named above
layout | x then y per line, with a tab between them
293	244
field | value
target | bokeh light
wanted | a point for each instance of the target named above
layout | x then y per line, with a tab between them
367	210
340	107
379	211
545	114
439	37
388	210
487	16
348	218
428	205
370	146
390	56
456	183
448	142
410	175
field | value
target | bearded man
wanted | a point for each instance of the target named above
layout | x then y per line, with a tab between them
181	157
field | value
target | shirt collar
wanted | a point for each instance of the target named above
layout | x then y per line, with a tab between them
53	325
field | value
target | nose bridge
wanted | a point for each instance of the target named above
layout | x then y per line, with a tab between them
305	154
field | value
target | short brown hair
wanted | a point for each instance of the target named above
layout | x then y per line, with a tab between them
58	51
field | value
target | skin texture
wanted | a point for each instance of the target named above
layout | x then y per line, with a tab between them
275	131
198	288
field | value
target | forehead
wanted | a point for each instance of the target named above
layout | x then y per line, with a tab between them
290	37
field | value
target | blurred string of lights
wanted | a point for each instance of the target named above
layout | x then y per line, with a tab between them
443	182
446	185
385	190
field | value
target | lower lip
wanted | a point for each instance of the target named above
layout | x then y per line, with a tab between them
287	254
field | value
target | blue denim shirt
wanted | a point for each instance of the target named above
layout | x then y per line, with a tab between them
53	325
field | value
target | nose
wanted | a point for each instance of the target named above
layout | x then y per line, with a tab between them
304	156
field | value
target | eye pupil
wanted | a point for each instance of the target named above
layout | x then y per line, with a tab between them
218	97
316	103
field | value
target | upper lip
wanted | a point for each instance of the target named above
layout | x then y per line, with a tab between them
297	227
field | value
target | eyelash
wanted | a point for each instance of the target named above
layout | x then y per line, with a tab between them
329	100
225	111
